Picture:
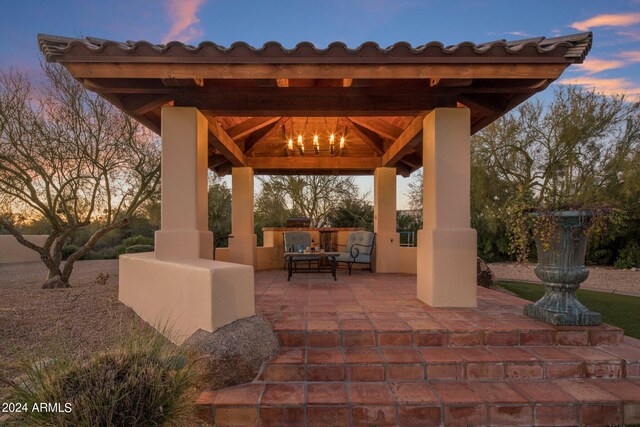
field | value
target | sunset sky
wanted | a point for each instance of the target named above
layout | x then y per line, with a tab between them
613	65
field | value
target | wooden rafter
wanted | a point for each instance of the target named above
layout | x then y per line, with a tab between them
263	134
409	138
141	104
249	126
481	105
220	140
369	137
379	126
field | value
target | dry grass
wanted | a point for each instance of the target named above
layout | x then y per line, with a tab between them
34	322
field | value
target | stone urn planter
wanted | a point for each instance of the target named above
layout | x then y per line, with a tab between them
561	268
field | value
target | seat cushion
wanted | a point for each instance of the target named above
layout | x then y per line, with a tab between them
362	258
363	238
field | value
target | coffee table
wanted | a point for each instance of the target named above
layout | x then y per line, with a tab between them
293	258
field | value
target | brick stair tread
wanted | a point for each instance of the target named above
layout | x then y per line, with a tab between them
522	402
442	363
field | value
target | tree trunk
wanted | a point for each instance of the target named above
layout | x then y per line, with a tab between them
55	282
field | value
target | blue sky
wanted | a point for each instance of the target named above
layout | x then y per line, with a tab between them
613	66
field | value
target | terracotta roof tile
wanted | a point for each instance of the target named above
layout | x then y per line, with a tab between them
567	49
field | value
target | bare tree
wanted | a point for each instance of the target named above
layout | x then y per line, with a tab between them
71	158
311	196
556	154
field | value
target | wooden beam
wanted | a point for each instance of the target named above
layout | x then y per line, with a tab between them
513	102
411	137
482	105
379	126
508	70
125	86
216	160
369	137
312	163
313	102
263	134
414	160
249	126
143	103
219	139
282	82
173	82
450	82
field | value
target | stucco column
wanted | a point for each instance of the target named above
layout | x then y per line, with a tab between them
384	220
184	206
447	243
242	247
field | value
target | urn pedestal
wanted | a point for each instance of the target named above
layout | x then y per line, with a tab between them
561	268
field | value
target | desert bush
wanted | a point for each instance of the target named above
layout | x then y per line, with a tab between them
68	250
629	256
145	382
137	240
135	249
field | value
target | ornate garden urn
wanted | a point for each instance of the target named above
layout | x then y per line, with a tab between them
561	268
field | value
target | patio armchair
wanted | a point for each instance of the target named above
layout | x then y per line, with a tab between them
298	241
358	249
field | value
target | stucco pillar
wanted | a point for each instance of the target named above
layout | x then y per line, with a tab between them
242	247
447	243
184	205
384	220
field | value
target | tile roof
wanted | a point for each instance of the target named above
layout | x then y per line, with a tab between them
565	49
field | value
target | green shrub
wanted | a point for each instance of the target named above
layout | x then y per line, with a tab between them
146	382
120	249
91	255
107	253
137	240
629	256
68	250
139	248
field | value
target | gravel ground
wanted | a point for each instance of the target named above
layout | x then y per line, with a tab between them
606	279
85	318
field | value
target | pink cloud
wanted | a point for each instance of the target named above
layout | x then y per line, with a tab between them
594	65
608	20
617	86
183	15
631	56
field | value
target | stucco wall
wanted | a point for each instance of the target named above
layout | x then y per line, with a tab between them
12	251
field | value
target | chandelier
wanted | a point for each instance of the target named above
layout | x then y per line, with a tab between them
300	140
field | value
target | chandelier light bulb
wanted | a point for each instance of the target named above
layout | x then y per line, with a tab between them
290	144
299	139
315	140
342	143
332	139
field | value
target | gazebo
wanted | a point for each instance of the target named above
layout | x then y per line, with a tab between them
239	111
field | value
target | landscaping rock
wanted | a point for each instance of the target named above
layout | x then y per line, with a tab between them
233	354
485	276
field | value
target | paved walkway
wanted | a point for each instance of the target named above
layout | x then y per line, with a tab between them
606	279
364	351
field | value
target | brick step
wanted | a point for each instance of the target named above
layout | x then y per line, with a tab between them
425	403
437	363
383	334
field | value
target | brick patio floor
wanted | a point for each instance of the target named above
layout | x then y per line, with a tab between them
364	351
